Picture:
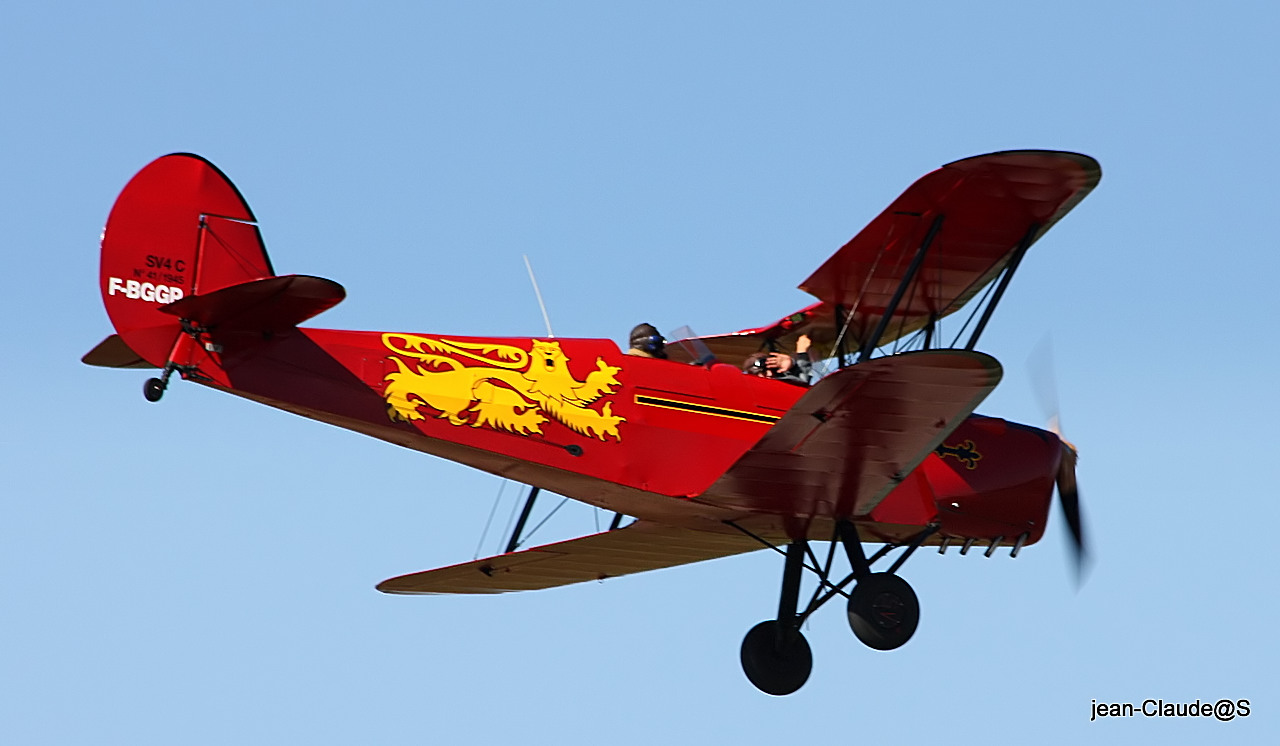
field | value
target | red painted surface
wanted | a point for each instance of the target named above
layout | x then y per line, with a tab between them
178	228
889	443
987	203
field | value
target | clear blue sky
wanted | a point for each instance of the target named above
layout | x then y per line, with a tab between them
202	571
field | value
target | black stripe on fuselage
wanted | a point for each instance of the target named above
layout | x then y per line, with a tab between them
685	406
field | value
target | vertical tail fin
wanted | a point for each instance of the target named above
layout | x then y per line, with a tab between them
179	228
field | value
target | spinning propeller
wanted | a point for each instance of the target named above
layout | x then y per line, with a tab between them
1046	388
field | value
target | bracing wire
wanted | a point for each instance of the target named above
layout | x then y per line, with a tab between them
511	518
492	511
973	314
558	506
902	323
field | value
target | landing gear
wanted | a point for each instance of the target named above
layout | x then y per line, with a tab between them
773	663
153	389
775	656
883	609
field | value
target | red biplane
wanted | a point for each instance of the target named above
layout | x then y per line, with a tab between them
709	462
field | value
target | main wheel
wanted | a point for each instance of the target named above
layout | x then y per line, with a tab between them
153	389
775	667
883	611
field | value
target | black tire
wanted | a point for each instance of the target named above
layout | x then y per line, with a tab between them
883	611
776	669
153	389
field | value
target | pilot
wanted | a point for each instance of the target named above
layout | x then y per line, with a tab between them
780	366
647	342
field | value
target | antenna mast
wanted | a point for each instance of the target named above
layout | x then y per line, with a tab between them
538	293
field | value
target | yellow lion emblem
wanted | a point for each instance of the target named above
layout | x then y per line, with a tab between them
512	390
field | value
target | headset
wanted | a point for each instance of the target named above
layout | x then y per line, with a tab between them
652	344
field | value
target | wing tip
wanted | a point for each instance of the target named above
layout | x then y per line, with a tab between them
1034	157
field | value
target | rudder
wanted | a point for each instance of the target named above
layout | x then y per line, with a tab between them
179	228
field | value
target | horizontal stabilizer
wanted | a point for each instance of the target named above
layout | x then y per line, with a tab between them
639	547
112	352
271	305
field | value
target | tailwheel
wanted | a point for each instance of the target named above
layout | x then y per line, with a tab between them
154	388
775	659
883	611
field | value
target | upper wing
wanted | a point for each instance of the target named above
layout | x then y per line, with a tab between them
636	548
856	434
986	205
983	208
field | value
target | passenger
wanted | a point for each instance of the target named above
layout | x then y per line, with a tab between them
647	342
780	366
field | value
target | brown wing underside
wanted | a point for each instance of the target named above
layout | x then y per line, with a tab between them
639	547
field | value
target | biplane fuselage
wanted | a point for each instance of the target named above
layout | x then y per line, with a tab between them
710	461
653	442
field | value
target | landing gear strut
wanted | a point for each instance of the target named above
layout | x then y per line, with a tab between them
775	655
154	388
883	609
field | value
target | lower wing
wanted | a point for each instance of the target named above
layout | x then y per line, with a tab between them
639	547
